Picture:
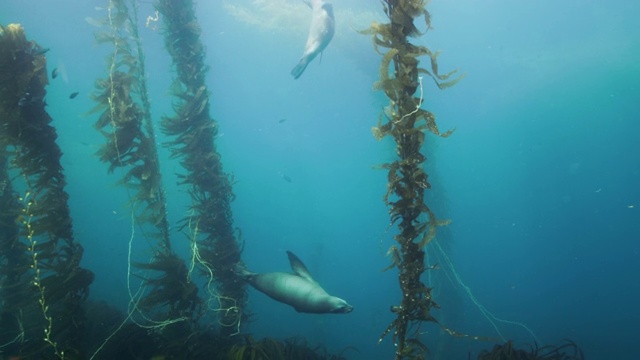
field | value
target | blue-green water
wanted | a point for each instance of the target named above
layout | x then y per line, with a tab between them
541	178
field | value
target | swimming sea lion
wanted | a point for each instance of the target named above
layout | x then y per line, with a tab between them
320	34
298	290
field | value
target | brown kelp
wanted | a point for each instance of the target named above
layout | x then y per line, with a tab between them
565	351
405	121
192	132
125	117
249	348
43	285
125	121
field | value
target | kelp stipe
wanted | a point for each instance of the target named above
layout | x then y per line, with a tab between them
214	244
125	121
43	285
15	287
406	122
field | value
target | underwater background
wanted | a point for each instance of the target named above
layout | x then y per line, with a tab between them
541	178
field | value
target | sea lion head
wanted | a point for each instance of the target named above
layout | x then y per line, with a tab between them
339	306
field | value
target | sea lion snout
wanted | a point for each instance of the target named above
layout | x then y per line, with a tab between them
340	306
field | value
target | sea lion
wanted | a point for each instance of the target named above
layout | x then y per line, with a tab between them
320	33
298	290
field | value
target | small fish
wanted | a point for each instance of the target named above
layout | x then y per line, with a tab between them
281	121
284	176
73	95
54	73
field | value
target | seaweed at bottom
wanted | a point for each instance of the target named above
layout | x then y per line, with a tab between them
132	342
568	350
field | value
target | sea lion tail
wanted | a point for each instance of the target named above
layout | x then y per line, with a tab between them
299	69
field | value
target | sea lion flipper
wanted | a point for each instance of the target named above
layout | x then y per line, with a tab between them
298	267
299	69
242	272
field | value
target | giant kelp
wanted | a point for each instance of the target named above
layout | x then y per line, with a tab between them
125	117
43	285
125	121
405	121
192	131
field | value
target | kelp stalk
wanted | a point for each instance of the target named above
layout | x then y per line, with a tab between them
193	131
14	265
406	122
